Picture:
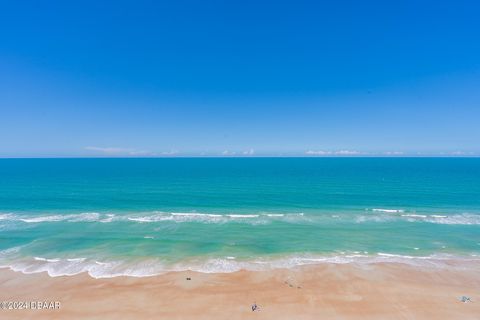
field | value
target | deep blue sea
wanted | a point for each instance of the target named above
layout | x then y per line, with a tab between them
141	217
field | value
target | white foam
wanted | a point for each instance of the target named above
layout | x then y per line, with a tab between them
6	216
53	218
143	219
463	219
414	215
460	219
45	259
109	218
10	251
158	216
375	218
76	259
247	216
81	217
107	269
84	217
388	210
195	214
226	266
254	218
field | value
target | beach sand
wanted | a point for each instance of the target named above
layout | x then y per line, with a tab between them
328	291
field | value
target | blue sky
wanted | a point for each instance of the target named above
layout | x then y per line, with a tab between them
245	78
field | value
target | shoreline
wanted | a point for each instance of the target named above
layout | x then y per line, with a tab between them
151	267
331	291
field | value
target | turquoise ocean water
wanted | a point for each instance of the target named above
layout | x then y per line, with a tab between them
140	217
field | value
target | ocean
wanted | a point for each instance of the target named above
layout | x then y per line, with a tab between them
140	217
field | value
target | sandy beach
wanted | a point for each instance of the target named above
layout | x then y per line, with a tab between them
329	291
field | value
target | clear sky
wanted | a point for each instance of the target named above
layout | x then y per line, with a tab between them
180	78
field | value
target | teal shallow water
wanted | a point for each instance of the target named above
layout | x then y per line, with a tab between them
143	216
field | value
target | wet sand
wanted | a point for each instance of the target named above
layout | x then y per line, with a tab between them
329	291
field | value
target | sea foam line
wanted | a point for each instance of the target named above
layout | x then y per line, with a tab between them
389	210
455	219
383	216
154	216
55	267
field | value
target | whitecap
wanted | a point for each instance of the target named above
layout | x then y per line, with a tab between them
414	215
52	218
465	219
248	216
110	217
6	216
388	210
194	214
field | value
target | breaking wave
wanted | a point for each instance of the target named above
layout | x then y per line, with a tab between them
56	267
383	216
390	215
156	216
389	210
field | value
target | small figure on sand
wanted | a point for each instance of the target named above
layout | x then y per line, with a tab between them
465	299
255	307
